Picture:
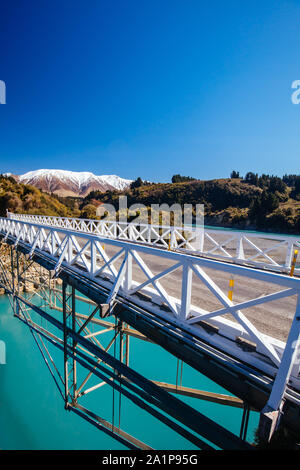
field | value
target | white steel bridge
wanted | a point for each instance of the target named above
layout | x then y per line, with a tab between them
163	282
269	251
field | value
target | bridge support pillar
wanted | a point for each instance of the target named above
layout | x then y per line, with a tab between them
69	320
245	421
271	413
65	314
268	423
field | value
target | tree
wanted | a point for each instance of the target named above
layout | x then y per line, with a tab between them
9	201
297	187
181	179
269	202
261	206
251	178
88	212
137	183
290	180
276	184
235	174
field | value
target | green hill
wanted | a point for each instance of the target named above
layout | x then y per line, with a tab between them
264	203
26	199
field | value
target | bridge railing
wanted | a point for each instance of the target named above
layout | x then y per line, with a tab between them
274	252
173	237
164	283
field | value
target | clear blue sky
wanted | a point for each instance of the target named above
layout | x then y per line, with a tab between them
150	88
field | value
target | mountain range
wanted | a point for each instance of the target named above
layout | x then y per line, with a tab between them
71	183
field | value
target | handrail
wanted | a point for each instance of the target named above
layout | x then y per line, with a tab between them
273	252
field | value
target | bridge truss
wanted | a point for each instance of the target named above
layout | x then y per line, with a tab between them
47	307
261	250
125	282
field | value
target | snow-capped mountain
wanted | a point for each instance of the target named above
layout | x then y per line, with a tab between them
72	183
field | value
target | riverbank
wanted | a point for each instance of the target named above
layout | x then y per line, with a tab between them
224	221
35	275
213	224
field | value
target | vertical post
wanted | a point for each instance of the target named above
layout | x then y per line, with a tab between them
245	420
127	348
65	335
287	361
70	249
270	415
169	242
199	239
121	329
173	241
186	291
12	270
128	273
130	233
54	292
13	281
239	248
93	258
74	344
50	290
231	286
18	283
294	263
52	242
121	354
289	254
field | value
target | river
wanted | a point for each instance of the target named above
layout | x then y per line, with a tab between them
32	414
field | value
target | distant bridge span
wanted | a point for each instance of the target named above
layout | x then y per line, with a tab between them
261	250
156	291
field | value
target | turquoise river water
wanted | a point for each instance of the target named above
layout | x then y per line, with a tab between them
32	414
